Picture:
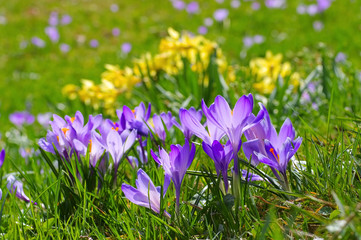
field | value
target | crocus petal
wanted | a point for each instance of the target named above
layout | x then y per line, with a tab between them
114	144
223	111
267	161
2	157
188	121
249	148
130	140
242	109
286	131
80	147
135	196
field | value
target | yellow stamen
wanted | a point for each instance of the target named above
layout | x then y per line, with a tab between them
65	130
116	129
232	112
57	138
72	119
90	145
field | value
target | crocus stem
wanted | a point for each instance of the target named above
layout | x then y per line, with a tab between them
141	147
286	186
236	180
115	174
177	193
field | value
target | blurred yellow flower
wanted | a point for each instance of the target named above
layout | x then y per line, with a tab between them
267	70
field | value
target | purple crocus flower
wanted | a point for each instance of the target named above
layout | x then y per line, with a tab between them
255	6
340	57
21	118
115	32
137	118
248	41
178	4
64	48
94	43
208	22
202	30
53	33
312	9
2	157
192	7
16	186
38	42
258	39
275	3
146	194
235	4
222	155
44	118
53	19
301	9
158	121
126	48
66	19
323	5
114	7
196	115
176	163
220	14
317	25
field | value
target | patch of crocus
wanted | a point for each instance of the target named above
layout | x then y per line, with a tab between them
21	118
146	194
202	30
66	19
16	186
2	157
137	118
220	14
38	42
235	4
196	116
26	152
115	32
176	163
317	25
222	155
275	3
44	118
94	43
53	33
126	48
280	149
178	4
192	7
64	48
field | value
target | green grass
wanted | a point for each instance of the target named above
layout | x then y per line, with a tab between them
324	200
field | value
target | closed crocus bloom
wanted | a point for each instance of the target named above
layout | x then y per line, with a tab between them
195	116
146	194
222	155
16	186
2	157
176	163
158	120
136	118
21	118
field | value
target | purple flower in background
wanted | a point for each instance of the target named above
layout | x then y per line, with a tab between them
301	9
220	14
192	7
16	186
255	6
176	163
64	48
3	21
115	32
219	1
208	22
178	4
323	5
146	194
26	152
158	121
312	9
202	30
44	118
53	33
317	25
114	8
126	47
306	97
38	42
275	3
21	118
222	155
53	19
340	57
235	3
258	39
66	19
94	43
2	157
248	41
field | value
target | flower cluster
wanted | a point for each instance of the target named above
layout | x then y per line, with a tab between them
221	134
175	51
267	71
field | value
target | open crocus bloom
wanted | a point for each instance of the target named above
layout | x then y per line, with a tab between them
146	194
